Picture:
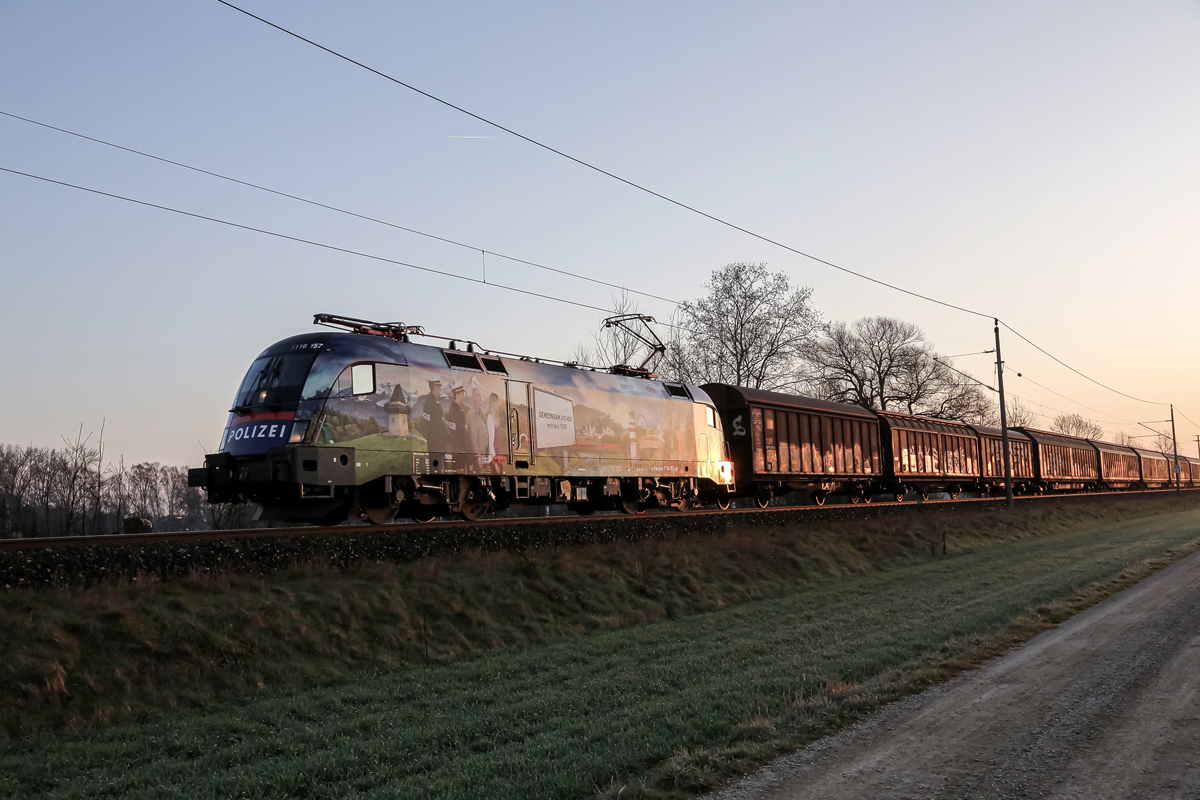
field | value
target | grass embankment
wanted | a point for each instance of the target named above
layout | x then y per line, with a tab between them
645	709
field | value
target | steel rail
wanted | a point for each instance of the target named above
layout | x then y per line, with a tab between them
855	509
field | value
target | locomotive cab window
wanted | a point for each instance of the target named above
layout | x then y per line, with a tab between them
274	380
712	416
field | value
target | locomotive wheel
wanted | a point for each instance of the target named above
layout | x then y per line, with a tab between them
684	504
763	500
472	509
424	515
583	509
723	502
632	505
380	516
819	499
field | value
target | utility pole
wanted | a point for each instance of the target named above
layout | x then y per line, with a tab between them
1175	447
1004	419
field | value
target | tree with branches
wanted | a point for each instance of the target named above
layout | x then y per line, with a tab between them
888	365
750	328
1019	415
1076	425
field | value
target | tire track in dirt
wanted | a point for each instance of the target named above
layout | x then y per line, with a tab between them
1104	706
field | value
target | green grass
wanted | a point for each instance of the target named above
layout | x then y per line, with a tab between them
654	709
72	659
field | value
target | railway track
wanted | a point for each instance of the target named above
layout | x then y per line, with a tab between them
769	515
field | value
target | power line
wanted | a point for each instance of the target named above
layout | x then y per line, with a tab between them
1077	372
1059	410
605	172
1117	421
661	196
1185	416
333	208
309	241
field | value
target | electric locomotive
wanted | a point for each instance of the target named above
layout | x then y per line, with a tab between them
363	422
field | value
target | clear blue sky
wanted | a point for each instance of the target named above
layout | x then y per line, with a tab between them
1033	160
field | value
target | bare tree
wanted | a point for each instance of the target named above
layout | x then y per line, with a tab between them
1019	415
889	365
1076	425
70	492
751	328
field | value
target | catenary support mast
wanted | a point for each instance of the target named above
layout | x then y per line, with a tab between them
1003	420
1175	448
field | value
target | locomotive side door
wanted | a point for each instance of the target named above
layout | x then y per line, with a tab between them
519	444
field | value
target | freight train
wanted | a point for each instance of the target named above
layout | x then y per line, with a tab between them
365	423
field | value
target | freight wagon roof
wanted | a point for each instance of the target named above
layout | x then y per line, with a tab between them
1046	437
1013	433
1151	454
738	396
1109	447
909	422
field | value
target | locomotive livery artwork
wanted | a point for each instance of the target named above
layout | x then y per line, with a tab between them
364	423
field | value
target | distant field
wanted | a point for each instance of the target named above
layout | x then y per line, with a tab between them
663	665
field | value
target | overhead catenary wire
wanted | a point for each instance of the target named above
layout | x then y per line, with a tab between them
605	172
319	204
1185	416
1117	421
666	198
1077	372
1057	410
310	242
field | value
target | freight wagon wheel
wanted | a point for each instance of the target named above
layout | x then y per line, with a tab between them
763	500
855	498
723	502
953	494
900	496
819	499
924	496
867	497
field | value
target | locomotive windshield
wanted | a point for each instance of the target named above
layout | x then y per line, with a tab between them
273	382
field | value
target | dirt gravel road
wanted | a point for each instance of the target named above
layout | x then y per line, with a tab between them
1104	706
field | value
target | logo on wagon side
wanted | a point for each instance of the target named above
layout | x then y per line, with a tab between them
738	430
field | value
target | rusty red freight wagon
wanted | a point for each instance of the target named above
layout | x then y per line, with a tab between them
1063	462
784	442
